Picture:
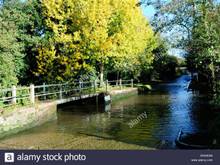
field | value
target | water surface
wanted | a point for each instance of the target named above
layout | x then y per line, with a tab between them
169	108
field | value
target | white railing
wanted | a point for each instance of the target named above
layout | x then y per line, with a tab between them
44	92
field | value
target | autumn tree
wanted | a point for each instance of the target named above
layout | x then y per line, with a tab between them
136	50
90	33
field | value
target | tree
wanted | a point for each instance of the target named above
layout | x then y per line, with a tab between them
89	33
22	29
62	58
135	50
11	56
33	33
8	47
204	52
196	21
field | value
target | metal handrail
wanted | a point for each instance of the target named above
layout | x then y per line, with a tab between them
56	89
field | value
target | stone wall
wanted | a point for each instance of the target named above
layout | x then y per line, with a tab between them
24	118
117	94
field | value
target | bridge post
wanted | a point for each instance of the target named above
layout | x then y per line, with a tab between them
32	94
13	94
44	91
132	83
106	85
60	94
120	83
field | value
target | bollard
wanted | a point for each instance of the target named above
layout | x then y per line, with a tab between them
32	94
120	83
132	83
13	94
44	91
60	93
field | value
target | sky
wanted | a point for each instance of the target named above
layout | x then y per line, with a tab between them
149	10
149	13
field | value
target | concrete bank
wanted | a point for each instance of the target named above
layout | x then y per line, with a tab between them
28	117
118	94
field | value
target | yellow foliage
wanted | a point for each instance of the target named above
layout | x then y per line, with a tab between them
87	31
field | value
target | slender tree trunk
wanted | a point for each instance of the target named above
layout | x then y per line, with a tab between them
117	78
117	75
101	74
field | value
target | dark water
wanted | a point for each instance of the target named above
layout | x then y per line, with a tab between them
169	108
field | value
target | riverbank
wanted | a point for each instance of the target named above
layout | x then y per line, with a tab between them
24	118
123	93
46	140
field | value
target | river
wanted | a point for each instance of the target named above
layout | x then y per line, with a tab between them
157	116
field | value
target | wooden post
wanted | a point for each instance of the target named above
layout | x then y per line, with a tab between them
32	94
44	91
13	94
120	83
132	83
60	94
106	86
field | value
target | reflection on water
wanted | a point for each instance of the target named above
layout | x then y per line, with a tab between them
169	108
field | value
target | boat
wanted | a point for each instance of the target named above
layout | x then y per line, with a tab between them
200	140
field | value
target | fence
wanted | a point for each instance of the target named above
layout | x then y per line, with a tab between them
31	94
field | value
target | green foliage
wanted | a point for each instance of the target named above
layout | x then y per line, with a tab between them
144	88
32	31
11	57
194	26
20	34
24	95
204	46
166	67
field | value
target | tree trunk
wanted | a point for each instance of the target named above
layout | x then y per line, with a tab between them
117	79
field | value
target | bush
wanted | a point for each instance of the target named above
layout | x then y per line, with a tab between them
144	88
